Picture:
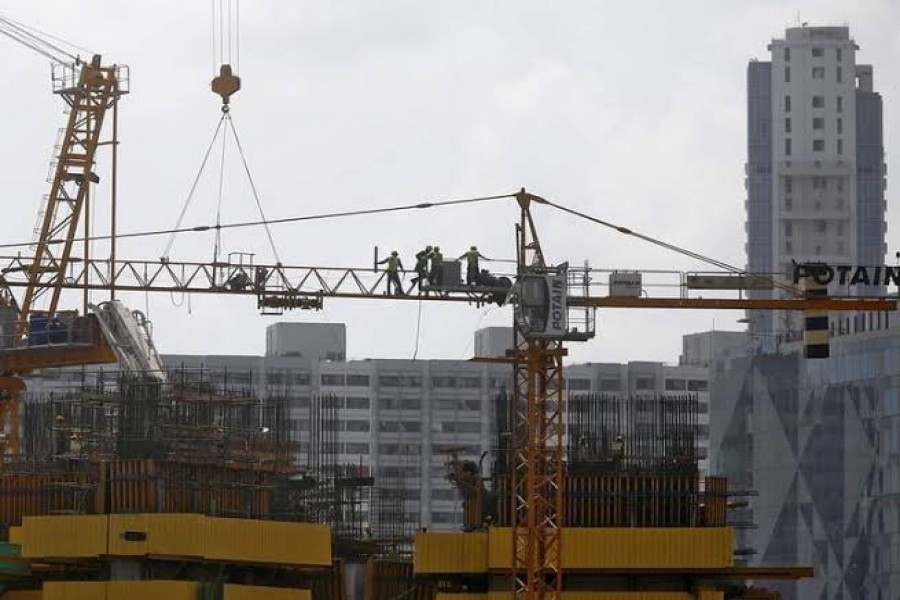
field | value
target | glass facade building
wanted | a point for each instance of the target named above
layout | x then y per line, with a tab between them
819	443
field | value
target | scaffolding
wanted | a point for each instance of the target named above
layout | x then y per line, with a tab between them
110	442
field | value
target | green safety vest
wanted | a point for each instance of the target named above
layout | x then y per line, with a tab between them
392	263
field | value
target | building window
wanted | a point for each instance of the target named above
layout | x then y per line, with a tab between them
787	54
840	146
442	494
818	72
470	383
610	385
412	381
788	228
818	250
787	125
819	183
839	75
356	448
837	54
818	52
821	226
788	246
787	146
818	101
788	184
443	382
818	123
644	383
787	104
839	184
332	380
356	426
579	384
818	145
840	125
358	380
676	385
840	104
358	403
460	427
788	203
787	74
839	226
698	385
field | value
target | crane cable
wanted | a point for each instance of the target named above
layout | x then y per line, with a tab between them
226	41
677	249
314	217
218	238
259	207
28	36
187	202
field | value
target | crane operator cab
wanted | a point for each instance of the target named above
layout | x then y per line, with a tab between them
542	310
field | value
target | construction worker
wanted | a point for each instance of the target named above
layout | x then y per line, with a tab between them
394	266
618	449
437	266
472	257
422	258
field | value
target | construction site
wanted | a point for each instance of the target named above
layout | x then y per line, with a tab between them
129	478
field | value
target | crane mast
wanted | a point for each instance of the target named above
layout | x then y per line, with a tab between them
536	467
89	90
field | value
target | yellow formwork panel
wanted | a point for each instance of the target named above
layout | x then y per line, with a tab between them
607	596
152	590
156	534
15	535
177	535
24	595
71	536
450	553
255	592
464	596
630	548
273	542
74	590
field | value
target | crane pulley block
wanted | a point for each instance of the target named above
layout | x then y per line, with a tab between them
225	84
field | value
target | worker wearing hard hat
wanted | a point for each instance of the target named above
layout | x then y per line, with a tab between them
472	257
394	266
437	267
422	258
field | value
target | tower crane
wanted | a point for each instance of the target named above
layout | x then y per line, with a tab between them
552	305
36	333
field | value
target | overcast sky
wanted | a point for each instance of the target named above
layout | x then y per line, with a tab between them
630	111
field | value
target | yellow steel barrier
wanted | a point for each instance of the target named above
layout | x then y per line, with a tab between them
583	548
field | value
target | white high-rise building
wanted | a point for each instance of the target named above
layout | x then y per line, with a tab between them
815	169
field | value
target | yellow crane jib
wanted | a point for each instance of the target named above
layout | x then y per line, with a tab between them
225	84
